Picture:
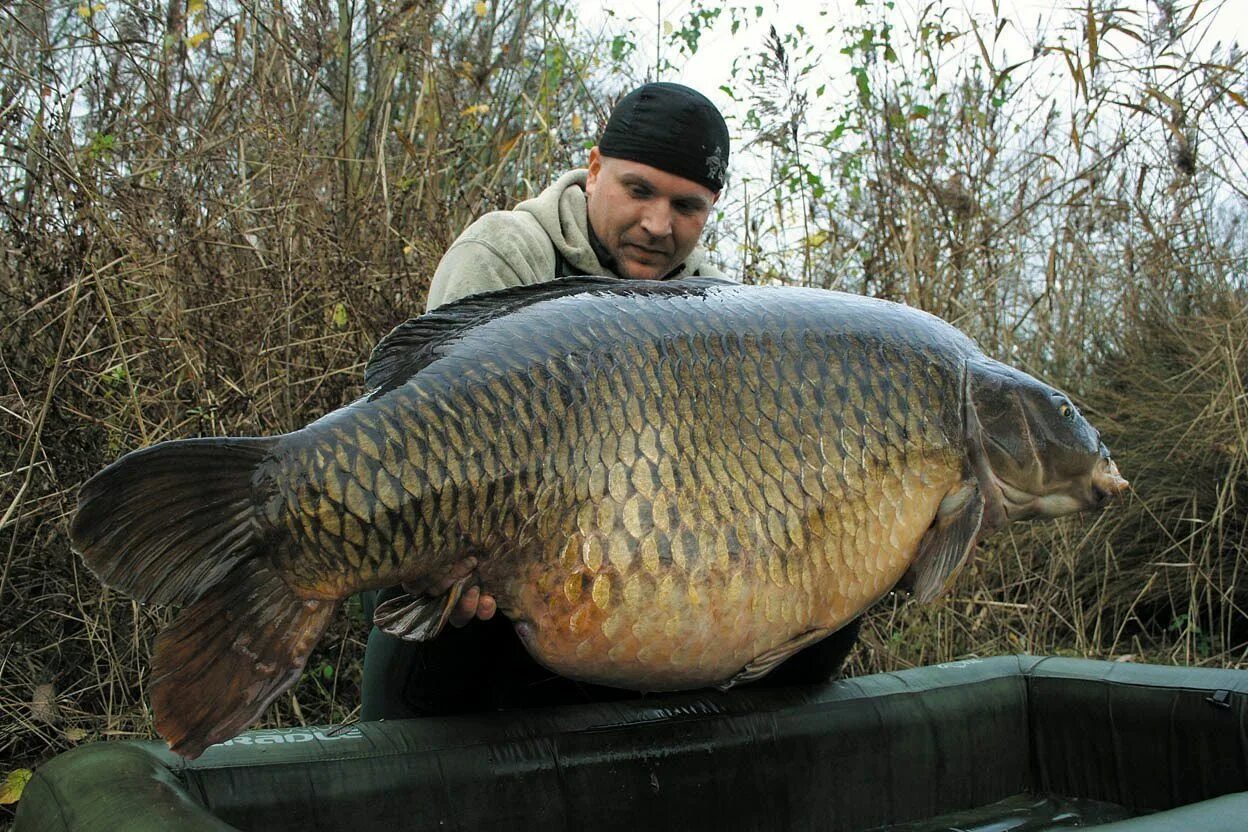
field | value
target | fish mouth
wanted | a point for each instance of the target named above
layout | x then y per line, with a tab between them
1108	484
1103	486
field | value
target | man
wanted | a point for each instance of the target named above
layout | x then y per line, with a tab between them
637	212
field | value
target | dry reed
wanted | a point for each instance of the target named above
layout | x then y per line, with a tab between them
206	235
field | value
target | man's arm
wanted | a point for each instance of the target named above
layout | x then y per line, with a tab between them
469	267
498	251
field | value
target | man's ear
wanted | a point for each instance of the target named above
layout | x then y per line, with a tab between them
595	167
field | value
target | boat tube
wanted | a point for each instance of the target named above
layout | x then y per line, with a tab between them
1008	743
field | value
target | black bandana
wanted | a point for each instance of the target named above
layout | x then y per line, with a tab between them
673	128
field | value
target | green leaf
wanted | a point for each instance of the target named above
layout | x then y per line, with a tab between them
621	47
102	144
115	374
340	316
864	84
13	786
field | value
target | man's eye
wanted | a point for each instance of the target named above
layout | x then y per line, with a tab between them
638	192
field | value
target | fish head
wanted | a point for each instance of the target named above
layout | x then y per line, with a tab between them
1033	452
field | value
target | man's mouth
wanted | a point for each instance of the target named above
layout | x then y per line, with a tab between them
648	253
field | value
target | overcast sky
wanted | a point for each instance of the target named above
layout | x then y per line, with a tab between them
1029	22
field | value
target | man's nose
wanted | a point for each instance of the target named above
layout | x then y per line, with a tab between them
657	220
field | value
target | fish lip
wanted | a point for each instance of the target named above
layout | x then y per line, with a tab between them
1107	483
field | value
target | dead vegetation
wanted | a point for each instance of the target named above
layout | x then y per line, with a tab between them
211	212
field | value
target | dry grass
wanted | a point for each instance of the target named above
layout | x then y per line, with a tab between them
206	237
210	240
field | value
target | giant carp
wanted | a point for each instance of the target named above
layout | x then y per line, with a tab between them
665	485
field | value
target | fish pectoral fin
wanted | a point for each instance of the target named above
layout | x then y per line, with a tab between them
419	617
946	547
767	662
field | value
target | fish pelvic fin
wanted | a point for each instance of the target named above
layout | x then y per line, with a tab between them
946	547
229	655
419	617
770	660
165	523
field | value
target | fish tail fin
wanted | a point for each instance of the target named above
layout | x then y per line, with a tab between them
165	523
230	654
178	523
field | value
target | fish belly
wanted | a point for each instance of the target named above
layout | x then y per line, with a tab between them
692	604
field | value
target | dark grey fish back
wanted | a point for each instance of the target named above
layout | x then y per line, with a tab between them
517	408
555	380
601	316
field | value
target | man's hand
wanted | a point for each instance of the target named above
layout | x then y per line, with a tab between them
473	603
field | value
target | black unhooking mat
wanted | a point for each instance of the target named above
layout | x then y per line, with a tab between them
1010	743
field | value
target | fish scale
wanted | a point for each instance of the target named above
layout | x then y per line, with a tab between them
663	485
770	542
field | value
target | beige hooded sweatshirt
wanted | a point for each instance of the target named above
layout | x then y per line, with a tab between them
517	248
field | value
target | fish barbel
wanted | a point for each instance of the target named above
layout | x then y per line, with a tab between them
664	485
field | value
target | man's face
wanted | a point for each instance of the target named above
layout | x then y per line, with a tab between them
649	220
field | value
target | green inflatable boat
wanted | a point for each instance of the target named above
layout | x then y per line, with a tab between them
1010	743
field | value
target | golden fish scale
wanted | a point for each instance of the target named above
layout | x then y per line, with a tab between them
654	517
682	568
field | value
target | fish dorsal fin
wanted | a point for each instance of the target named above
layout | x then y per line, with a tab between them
413	345
946	547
